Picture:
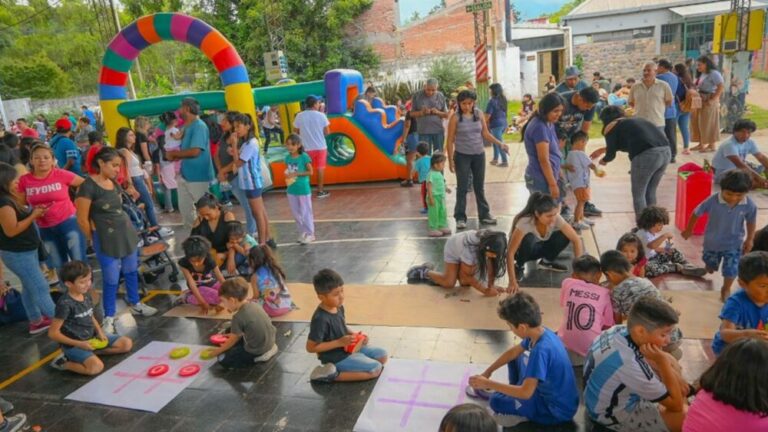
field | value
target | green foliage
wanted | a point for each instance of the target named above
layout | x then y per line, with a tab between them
565	10
390	91
33	77
159	85
450	73
578	61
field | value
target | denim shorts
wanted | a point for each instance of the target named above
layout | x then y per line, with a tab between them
364	360
730	260
253	193
411	142
79	355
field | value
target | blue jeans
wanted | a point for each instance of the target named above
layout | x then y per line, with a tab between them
250	220
79	355
365	360
111	269
683	122
63	241
35	295
435	141
539	184
146	198
497	133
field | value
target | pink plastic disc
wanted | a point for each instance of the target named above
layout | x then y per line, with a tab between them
157	370
189	370
218	339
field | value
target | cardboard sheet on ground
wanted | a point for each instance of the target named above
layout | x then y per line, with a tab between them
127	384
414	395
428	306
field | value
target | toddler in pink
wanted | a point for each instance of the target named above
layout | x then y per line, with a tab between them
587	308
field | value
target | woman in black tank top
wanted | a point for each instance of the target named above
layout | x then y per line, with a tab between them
211	224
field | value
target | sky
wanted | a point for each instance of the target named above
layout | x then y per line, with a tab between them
529	9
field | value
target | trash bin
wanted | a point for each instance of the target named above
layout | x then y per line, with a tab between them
694	185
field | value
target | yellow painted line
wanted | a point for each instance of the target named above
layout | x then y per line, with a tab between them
30	369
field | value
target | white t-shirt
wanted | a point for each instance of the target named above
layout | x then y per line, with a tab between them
647	237
311	124
171	143
528	225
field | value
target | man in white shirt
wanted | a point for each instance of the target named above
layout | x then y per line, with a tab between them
271	125
312	127
651	96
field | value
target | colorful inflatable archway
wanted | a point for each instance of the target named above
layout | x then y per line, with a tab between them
151	29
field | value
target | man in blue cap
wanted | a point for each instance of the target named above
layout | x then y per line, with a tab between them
572	82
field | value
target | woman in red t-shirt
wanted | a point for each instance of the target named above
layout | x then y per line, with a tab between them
48	186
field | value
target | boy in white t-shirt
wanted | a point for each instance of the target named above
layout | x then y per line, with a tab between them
312	126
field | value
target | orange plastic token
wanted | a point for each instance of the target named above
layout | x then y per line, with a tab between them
157	370
189	370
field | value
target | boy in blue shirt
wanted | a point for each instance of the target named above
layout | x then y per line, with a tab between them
542	387
65	150
724	237
732	154
631	384
422	166
745	314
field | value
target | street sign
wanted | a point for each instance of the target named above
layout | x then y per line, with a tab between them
478	7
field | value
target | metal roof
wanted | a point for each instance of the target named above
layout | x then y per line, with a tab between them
609	7
708	9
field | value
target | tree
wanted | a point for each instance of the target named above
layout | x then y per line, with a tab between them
37	78
450	73
565	10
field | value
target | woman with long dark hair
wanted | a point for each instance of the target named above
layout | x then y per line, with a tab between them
496	117
225	165
543	148
705	121
466	157
683	118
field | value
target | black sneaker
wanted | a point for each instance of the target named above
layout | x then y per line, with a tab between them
406	183
592	210
271	243
552	266
519	272
488	220
58	362
419	272
323	194
13	423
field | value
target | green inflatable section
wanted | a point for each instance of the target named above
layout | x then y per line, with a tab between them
274	95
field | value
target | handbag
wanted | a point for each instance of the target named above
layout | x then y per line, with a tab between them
11	308
693	101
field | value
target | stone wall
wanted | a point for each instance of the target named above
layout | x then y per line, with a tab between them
617	60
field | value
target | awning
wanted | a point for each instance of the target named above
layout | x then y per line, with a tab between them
711	9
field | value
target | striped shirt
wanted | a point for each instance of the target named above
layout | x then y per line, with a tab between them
249	174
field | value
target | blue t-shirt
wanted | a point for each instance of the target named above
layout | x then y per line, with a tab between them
65	149
88	113
422	166
744	313
725	229
670	112
536	132
200	168
548	362
249	174
497	112
731	147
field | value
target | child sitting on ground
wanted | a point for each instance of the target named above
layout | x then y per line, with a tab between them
577	173
621	390
253	336
732	155
724	237
471	257
238	245
662	256
632	248
329	335
202	275
587	309
75	327
732	393
468	417
745	313
436	214
628	289
268	282
542	387
422	166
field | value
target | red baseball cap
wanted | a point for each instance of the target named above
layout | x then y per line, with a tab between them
63	123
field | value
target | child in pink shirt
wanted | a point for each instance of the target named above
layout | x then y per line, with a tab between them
587	308
732	395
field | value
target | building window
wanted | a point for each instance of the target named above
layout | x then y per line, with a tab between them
671	33
698	35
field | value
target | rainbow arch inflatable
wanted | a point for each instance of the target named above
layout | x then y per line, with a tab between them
126	46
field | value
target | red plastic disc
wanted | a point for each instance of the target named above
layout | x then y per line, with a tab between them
218	339
189	370
157	370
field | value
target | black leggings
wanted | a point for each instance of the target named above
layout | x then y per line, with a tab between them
532	249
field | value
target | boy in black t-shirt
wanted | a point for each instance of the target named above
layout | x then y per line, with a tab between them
329	335
76	329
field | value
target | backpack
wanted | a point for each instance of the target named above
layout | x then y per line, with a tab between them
691	102
11	308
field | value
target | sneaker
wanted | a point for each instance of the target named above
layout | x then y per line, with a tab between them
406	183
272	244
493	162
552	266
581	225
519	272
461	224
40	326
142	309
419	272
508	420
565	211
592	210
165	232
13	423
266	356
323	194
589	222
5	406
90	251
504	165
58	362
691	270
306	238
478	393
435	233
325	373
108	325
488	220
423	211
52	277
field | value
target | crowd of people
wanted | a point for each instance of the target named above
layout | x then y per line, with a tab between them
63	193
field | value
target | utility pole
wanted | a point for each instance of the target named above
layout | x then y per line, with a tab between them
479	9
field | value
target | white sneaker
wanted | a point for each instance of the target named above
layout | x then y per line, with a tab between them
326	372
165	232
308	238
108	325
581	225
588	221
142	309
266	356
508	420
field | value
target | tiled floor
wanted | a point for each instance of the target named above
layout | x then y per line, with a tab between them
370	234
